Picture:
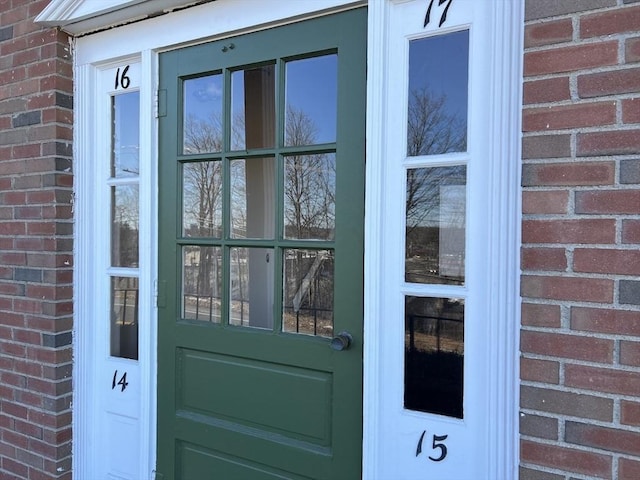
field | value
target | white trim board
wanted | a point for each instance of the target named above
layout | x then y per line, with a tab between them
79	17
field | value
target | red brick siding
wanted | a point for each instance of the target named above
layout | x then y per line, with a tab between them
35	246
580	336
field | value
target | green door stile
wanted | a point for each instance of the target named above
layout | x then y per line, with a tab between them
256	290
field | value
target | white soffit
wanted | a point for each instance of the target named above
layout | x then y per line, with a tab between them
84	16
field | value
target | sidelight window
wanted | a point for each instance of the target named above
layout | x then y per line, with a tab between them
435	224
125	231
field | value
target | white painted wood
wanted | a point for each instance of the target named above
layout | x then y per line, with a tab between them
504	257
374	286
484	444
112	423
83	207
209	21
81	16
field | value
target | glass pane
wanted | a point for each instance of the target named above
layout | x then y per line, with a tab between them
436	212
253	198
438	93
434	355
308	292
311	100
124	317
251	287
124	226
201	283
310	196
202	199
202	131
253	113
125	115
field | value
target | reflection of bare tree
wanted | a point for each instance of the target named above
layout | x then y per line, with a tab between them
309	183
202	135
203	198
432	130
124	230
309	210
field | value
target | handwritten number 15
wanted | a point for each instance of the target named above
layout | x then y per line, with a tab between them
437	444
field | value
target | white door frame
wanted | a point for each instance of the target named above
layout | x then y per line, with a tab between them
503	101
144	40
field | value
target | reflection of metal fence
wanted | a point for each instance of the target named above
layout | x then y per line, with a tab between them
201	307
126	299
453	329
311	317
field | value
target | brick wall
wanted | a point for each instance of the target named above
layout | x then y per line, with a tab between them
35	246
580	340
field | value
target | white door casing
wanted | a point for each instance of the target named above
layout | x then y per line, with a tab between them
398	442
389	431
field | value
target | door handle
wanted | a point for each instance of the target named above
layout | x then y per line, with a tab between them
342	341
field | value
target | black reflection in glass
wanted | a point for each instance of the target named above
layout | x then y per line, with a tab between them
434	355
253	113
438	94
124	317
311	100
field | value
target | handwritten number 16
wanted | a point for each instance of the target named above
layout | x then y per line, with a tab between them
122	79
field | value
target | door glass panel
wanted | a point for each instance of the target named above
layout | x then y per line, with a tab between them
125	115
202	129
434	355
253	113
309	196
253	198
308	292
202	199
124	226
251	287
438	94
201	283
124	317
435	225
311	100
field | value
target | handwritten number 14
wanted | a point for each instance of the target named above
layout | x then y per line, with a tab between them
122	382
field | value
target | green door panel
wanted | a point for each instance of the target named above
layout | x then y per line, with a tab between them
240	395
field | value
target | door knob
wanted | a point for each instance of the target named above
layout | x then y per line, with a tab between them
342	341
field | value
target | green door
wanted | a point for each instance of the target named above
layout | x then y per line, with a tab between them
260	291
